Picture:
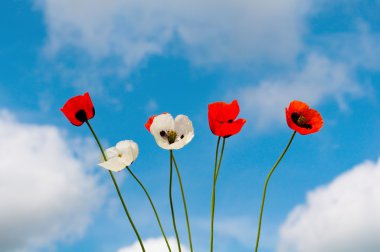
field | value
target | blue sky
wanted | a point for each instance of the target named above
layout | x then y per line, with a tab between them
138	59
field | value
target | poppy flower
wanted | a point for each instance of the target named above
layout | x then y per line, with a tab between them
79	109
222	118
303	119
170	133
120	156
150	121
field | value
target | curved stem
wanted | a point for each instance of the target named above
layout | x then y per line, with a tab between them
171	201
184	203
153	207
265	189
213	197
117	188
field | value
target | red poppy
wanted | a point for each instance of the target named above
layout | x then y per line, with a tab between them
301	118
79	109
222	118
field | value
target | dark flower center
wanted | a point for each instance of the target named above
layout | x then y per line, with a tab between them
230	121
81	115
170	135
301	121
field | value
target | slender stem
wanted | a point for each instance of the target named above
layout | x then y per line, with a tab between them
171	201
117	188
265	188
216	156
184	203
220	160
153	207
213	195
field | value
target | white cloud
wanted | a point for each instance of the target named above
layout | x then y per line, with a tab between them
154	245
241	229
343	216
46	192
319	80
213	31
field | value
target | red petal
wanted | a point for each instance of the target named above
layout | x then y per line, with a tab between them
77	103
149	122
88	106
227	129
223	112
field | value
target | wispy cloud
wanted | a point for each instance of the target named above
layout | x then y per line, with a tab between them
318	80
212	31
241	229
342	216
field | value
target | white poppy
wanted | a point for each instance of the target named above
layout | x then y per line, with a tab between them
120	156
172	134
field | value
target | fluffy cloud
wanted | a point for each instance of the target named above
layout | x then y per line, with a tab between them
47	194
319	80
214	31
342	216
154	245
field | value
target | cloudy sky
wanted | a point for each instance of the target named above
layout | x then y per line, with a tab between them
138	58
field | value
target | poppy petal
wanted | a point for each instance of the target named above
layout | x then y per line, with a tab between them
229	129
149	122
223	112
113	164
88	106
128	146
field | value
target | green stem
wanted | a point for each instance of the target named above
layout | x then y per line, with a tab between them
220	160
171	201
213	195
117	187
153	207
184	202
265	188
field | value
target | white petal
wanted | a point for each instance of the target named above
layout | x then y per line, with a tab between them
183	127
113	164
163	143
123	145
177	145
128	146
135	150
110	153
127	158
163	122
